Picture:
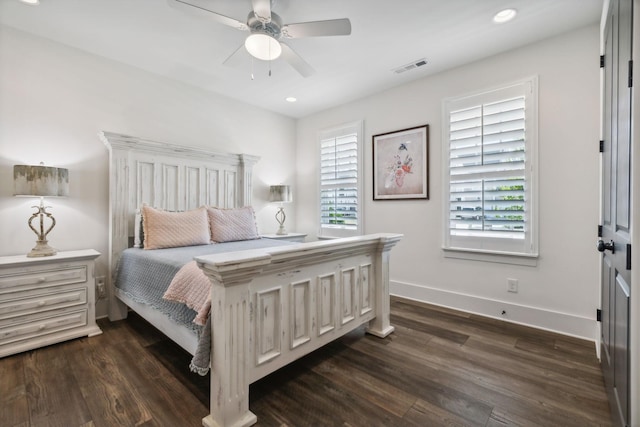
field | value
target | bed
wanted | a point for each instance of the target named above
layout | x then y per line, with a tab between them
270	305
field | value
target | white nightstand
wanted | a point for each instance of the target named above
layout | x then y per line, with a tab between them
292	237
46	300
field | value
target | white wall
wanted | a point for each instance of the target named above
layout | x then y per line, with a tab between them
55	99
561	293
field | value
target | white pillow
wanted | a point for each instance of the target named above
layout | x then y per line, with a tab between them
137	230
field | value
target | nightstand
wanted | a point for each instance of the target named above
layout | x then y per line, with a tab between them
46	300
292	237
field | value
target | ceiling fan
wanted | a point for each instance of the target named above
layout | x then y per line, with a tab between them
267	32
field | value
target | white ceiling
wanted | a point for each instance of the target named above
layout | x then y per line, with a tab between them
154	36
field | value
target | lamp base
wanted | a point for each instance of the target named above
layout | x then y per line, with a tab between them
42	248
280	217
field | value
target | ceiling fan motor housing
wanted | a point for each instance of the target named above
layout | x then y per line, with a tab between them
271	28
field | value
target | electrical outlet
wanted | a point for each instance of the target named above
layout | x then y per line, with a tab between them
101	290
512	285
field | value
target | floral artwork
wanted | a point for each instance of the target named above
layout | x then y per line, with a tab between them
400	164
399	167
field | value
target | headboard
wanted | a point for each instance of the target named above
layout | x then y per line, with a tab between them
166	176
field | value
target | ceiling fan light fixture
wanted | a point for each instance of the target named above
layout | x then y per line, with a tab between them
31	2
263	46
504	16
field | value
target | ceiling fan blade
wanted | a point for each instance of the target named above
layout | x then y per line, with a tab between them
208	14
296	61
332	27
233	54
262	9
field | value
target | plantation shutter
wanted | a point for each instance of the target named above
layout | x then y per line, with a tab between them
487	170
339	186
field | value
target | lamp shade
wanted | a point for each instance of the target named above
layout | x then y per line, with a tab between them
280	193
43	181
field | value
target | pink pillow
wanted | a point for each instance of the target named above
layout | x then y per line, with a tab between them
229	225
164	229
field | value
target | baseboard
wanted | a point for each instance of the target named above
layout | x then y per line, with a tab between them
562	323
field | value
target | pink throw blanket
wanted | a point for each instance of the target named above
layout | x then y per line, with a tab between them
190	286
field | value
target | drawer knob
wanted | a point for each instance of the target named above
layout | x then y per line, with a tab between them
42	327
42	279
41	303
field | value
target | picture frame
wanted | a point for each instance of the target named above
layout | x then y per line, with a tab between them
401	164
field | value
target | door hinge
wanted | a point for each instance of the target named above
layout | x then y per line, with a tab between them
599	315
601	61
599	231
631	73
601	146
628	256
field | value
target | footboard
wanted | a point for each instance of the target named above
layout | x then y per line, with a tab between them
272	306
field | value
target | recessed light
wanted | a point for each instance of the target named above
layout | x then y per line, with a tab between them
291	99
504	16
31	2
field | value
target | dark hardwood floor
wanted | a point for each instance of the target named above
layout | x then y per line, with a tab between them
439	368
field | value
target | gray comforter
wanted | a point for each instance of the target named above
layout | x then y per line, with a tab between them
145	275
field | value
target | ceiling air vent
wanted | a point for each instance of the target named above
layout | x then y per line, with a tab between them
410	66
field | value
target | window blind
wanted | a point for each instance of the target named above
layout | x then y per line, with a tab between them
487	185
339	181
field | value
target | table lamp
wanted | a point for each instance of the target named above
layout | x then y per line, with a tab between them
281	194
41	181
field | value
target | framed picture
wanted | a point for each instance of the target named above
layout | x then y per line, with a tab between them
401	164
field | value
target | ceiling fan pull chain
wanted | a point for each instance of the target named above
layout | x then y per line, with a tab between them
252	78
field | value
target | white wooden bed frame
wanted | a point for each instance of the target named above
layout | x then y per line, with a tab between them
269	306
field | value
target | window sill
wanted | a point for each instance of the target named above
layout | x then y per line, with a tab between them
529	260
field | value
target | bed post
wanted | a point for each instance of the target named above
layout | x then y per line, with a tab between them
232	349
118	219
381	325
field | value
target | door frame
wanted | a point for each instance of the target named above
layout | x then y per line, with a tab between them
634	304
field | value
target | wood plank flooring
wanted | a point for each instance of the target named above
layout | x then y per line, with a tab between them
439	368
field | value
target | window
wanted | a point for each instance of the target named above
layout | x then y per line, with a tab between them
340	181
490	178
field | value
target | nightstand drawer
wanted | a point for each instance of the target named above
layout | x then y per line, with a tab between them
13	281
27	302
10	333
